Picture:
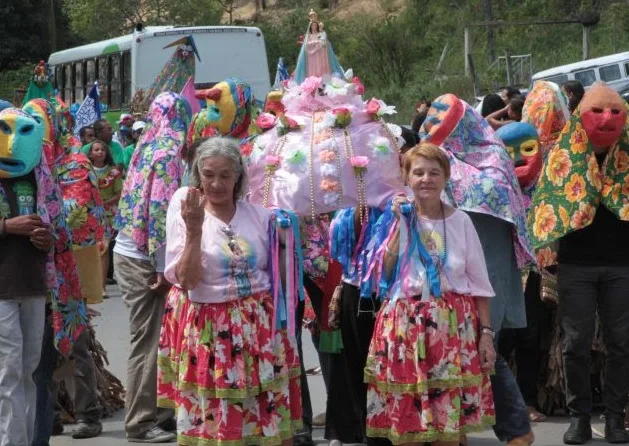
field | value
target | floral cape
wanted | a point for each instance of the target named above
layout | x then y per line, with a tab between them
572	186
154	174
82	204
482	175
546	109
69	315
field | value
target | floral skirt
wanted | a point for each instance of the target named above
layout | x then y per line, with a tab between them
423	371
229	378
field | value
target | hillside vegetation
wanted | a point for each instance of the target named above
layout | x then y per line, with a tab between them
394	46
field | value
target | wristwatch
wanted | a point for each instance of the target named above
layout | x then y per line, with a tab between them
488	331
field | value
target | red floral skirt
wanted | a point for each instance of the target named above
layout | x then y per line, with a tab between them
423	371
229	378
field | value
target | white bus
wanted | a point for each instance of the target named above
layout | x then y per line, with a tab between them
614	70
131	62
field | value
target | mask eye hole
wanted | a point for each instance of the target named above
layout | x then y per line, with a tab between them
5	128
529	149
615	111
27	129
597	110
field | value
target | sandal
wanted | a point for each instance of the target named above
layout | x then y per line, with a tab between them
535	416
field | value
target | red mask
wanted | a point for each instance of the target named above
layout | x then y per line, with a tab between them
604	126
603	116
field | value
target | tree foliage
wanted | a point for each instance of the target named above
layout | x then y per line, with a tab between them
99	19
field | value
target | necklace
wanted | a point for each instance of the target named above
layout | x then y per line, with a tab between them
436	245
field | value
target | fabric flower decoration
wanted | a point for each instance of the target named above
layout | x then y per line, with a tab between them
358	86
381	147
327	156
343	117
359	163
272	163
337	87
377	109
286	125
311	85
266	121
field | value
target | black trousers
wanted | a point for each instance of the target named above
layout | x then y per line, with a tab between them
316	298
526	342
346	410
582	291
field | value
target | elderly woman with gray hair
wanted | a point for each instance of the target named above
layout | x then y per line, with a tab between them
226	360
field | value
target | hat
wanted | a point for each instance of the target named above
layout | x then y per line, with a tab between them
125	117
138	125
5	104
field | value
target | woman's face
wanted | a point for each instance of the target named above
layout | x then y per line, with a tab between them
218	179
98	153
314	27
427	179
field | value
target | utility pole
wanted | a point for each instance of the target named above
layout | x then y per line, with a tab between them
586	42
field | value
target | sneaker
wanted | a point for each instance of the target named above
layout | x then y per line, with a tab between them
85	429
155	435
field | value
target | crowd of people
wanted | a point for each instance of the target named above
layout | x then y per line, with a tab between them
502	228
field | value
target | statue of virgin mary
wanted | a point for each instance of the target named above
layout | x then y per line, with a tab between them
316	57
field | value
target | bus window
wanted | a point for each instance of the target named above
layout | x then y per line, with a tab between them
67	83
126	77
59	77
609	73
627	69
78	82
115	84
102	71
559	80
90	73
586	77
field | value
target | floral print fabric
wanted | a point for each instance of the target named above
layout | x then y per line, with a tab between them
154	174
315	244
69	314
228	376
423	371
109	184
82	204
572	185
483	177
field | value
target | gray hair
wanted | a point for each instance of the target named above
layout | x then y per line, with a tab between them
220	146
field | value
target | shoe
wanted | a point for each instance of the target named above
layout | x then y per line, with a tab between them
319	420
579	432
85	429
524	440
303	438
57	427
111	281
170	425
615	429
155	435
335	443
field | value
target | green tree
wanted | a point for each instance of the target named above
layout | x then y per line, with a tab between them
99	19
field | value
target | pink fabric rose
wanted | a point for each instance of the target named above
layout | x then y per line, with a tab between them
373	107
327	156
273	160
359	161
360	88
311	84
266	121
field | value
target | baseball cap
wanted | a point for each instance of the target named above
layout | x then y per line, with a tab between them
125	118
138	125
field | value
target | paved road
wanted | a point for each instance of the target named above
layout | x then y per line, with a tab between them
112	331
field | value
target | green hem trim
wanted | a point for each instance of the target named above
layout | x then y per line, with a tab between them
432	434
166	403
331	341
239	394
255	440
421	387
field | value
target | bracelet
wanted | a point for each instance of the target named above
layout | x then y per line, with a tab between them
488	331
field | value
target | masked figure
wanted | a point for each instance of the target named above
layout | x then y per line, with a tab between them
523	146
581	208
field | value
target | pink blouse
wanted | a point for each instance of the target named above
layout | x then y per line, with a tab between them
465	270
234	257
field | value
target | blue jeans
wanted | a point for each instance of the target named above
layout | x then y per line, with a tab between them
45	408
512	418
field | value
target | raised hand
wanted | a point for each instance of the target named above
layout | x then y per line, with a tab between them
193	211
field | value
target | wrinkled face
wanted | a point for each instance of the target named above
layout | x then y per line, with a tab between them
603	115
20	143
221	107
523	146
443	116
218	179
426	178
